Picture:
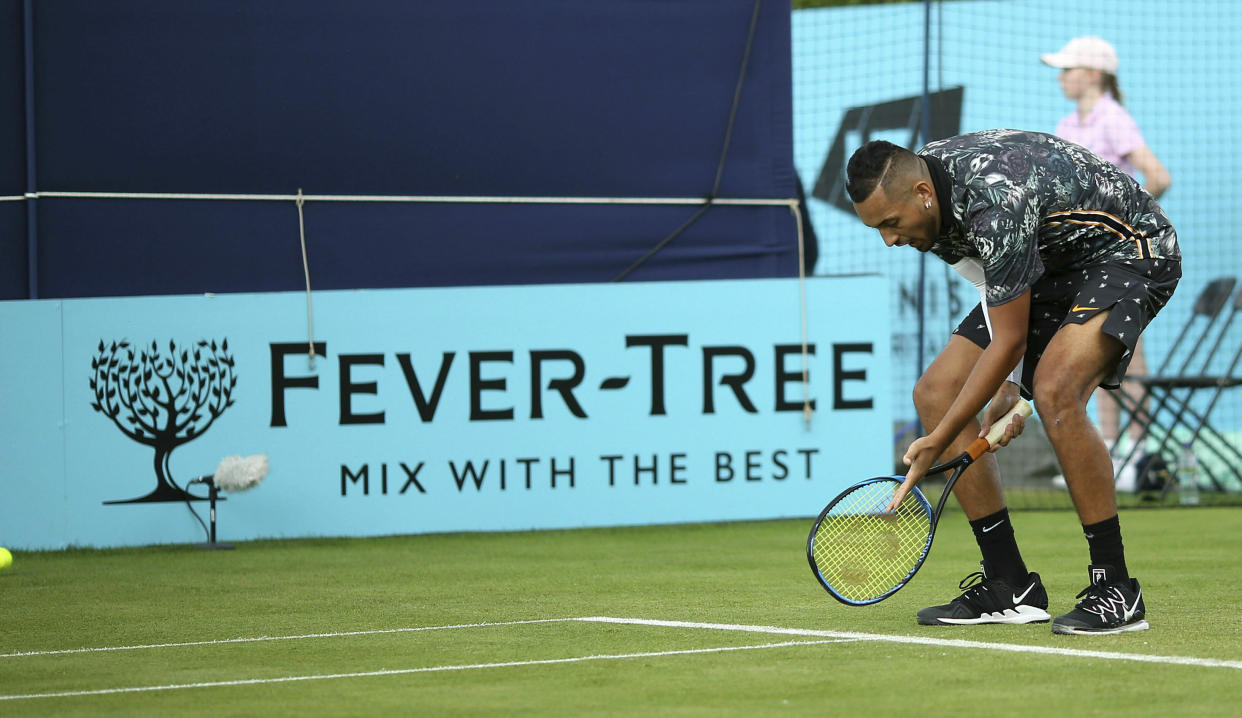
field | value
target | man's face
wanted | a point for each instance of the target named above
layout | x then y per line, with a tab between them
902	221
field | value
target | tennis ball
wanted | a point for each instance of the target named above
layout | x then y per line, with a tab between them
6	558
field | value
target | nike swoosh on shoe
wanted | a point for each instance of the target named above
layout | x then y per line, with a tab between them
1130	610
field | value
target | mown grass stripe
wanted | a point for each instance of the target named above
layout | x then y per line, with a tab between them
407	671
260	639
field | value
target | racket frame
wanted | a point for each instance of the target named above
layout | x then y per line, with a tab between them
958	465
933	517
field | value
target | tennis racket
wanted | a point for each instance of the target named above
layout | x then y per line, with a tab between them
862	553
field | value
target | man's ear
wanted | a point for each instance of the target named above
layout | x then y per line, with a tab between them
924	191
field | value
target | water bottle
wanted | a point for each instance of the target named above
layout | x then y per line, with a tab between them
1188	476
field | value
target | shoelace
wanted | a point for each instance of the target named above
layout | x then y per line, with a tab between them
972	586
1101	598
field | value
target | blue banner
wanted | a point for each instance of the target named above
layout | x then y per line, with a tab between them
432	410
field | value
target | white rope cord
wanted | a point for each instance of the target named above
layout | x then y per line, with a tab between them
425	199
310	316
806	379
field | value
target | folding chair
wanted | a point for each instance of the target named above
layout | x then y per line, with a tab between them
1191	374
1195	422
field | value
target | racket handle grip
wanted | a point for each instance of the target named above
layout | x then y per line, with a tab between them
981	445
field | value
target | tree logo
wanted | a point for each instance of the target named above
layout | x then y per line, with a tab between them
163	401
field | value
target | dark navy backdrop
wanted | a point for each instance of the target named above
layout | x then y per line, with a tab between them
13	265
552	98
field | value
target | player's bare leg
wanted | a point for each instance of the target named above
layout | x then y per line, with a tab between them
1003	591
1076	360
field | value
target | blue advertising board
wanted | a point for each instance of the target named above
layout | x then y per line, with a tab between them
436	410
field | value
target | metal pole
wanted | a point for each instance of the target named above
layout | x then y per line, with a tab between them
211	494
32	202
925	137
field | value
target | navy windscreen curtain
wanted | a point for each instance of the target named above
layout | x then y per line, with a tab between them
546	99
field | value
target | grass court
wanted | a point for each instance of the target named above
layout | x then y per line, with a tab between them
688	620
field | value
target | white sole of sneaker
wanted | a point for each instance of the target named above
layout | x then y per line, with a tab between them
1019	615
1071	631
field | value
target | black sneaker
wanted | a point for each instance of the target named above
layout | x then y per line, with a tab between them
990	599
1110	606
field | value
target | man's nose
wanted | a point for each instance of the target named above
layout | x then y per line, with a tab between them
890	239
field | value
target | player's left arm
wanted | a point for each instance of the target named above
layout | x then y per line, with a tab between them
1008	345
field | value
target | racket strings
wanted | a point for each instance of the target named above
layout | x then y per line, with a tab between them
861	551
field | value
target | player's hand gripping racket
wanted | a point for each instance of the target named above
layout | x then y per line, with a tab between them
861	552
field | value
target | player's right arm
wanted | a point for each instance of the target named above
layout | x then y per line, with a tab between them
1002	402
991	371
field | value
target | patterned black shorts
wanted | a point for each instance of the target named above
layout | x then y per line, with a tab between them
1138	289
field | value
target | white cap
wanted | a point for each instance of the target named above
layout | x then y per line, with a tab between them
1090	52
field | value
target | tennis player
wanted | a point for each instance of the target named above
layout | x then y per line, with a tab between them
1072	259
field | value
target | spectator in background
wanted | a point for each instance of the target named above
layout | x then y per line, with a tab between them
1099	123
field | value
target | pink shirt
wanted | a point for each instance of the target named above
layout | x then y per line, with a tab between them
1109	131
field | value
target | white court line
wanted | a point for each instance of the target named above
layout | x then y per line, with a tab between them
926	641
824	635
260	639
407	671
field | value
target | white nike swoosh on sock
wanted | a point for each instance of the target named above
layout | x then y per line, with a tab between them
989	528
1018	599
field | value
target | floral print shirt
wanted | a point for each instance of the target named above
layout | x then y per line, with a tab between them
1028	203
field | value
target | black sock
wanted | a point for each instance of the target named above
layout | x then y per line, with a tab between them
1104	540
994	534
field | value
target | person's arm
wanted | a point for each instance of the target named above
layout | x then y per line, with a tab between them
1156	178
986	380
972	271
1003	401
